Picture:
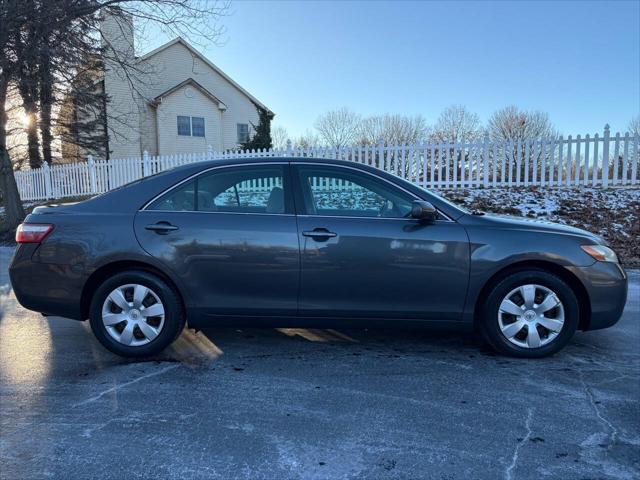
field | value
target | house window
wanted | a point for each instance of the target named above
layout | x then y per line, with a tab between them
197	126
190	126
243	132
184	125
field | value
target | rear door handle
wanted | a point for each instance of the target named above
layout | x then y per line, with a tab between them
319	233
161	227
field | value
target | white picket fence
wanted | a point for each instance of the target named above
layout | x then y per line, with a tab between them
604	161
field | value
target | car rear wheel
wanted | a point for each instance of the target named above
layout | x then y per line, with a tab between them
530	314
136	314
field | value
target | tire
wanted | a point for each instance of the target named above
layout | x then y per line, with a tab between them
508	332
131	326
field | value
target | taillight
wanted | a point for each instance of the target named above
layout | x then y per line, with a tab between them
33	232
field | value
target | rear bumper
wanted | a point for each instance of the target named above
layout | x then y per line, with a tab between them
44	287
606	285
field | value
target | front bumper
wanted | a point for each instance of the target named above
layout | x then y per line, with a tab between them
606	285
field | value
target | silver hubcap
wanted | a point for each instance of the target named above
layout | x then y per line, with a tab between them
133	315
531	316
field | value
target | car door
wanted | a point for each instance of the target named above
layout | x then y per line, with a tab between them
230	235
361	254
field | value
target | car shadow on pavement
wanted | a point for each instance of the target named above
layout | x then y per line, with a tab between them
199	348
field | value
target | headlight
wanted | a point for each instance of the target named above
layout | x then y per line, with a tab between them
601	253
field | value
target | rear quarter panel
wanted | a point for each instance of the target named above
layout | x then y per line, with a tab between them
51	279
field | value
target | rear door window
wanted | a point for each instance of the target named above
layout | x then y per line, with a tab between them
246	189
179	199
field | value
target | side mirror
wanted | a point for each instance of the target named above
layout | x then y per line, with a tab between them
424	211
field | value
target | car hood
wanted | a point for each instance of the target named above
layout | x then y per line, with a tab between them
507	222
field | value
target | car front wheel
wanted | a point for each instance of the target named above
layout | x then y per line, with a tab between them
530	314
136	314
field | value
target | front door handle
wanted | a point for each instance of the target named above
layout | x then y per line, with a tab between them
319	234
161	228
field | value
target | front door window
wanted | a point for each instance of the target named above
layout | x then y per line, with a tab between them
335	191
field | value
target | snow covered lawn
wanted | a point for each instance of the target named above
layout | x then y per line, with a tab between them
613	213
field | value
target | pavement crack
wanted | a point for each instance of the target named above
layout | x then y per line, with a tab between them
88	432
508	473
126	384
613	436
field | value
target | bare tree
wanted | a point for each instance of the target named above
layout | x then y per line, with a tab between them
306	140
39	42
57	42
510	127
392	129
11	14
511	123
279	137
456	124
25	42
338	128
14	213
634	126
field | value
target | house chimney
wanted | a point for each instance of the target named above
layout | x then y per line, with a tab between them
120	80
116	30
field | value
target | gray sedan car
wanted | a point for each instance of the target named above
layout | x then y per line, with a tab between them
307	242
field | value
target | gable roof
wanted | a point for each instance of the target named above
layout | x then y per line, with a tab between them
196	53
193	83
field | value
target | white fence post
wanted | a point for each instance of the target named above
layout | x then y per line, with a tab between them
616	159
146	167
634	164
560	159
46	171
605	156
485	168
596	145
569	160
289	149
210	152
91	166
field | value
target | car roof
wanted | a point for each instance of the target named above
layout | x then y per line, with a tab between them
248	160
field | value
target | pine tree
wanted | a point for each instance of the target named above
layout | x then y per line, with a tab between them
262	137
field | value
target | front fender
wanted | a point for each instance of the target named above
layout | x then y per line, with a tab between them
493	250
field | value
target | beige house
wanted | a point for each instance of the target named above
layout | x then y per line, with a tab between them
171	100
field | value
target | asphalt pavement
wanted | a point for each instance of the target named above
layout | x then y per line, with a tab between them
307	403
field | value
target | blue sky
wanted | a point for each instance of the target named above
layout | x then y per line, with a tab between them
578	61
